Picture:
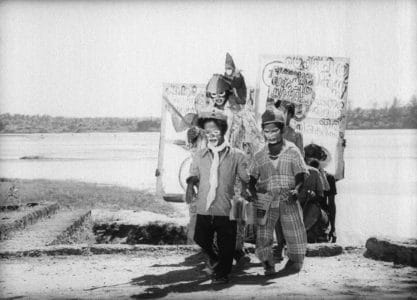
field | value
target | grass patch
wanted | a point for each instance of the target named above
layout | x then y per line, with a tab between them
82	235
75	194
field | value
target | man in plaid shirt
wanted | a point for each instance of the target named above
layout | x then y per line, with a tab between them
277	174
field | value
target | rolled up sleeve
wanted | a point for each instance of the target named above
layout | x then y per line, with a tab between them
299	143
298	164
194	171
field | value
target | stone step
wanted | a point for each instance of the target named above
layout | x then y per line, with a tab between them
44	232
398	251
11	221
96	249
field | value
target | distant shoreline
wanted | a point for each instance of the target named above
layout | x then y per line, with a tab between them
158	131
392	117
67	132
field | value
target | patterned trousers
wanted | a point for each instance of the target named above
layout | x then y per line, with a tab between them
290	216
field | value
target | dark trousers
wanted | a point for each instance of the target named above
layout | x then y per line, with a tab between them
225	230
331	209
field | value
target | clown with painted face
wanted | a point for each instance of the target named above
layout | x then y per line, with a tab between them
242	132
276	176
214	171
296	137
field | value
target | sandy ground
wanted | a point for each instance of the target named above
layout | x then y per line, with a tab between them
180	276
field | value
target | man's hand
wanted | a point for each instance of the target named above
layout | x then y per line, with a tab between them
192	134
260	213
312	194
246	194
294	195
189	194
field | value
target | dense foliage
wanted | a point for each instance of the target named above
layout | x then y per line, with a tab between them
389	117
46	124
392	116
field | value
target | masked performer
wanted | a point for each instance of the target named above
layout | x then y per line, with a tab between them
296	137
226	93
214	169
277	174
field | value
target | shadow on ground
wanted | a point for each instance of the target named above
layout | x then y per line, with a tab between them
194	279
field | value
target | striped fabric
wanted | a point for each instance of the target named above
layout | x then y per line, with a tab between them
291	219
281	179
278	181
265	236
290	216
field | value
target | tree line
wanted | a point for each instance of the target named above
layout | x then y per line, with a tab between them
18	123
394	116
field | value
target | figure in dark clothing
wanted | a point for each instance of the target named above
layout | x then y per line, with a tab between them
329	197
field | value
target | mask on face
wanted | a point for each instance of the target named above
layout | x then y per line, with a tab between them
272	135
218	99
213	136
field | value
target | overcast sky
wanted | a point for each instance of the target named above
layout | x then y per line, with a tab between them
110	58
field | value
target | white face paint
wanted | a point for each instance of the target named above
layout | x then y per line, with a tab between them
300	112
272	134
213	137
218	99
213	134
229	72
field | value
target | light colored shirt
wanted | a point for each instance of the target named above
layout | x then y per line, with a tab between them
278	180
232	163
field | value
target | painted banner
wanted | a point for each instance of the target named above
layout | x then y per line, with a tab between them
180	106
318	87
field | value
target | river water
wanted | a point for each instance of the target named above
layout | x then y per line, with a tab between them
377	197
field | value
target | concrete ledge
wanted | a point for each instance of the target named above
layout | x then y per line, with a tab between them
323	250
113	249
150	233
313	250
83	249
400	252
30	218
47	250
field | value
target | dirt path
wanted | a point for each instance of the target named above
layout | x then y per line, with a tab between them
180	276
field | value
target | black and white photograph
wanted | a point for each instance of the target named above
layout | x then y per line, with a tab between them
208	149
